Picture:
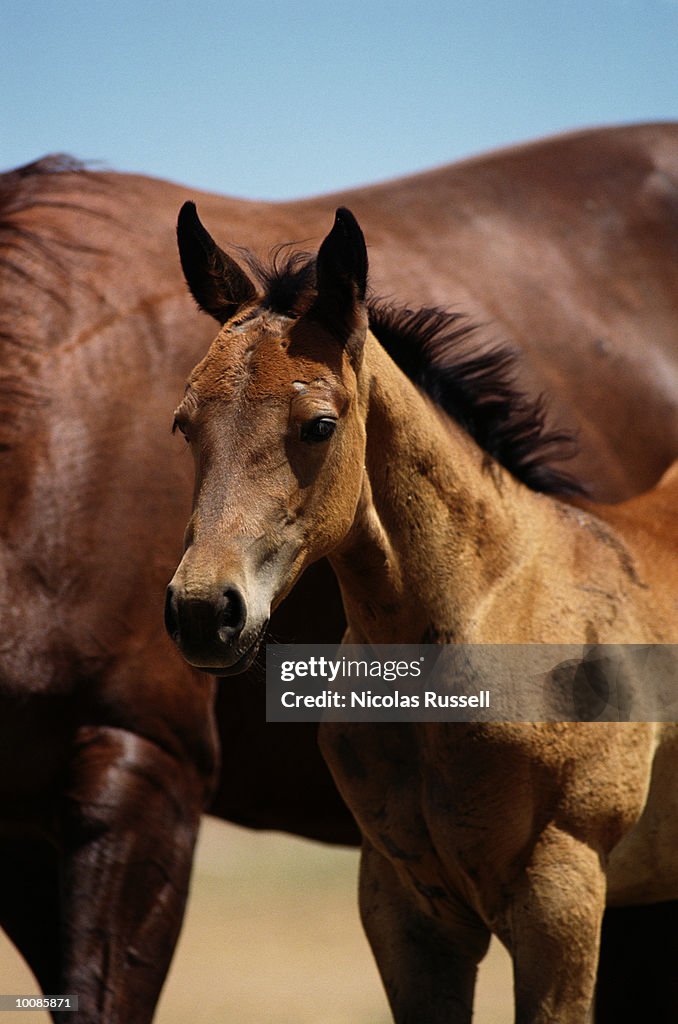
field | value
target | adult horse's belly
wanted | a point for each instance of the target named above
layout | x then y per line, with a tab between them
643	867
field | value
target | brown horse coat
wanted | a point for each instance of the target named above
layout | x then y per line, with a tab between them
310	441
102	724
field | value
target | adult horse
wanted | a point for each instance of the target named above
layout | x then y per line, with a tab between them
314	434
568	246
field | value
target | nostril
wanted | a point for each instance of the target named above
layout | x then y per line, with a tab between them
201	626
233	613
171	614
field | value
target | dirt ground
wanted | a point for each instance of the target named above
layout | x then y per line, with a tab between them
272	937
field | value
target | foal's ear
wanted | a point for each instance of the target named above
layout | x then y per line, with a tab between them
217	283
341	274
342	258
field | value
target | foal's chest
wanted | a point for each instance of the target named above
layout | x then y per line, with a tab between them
457	809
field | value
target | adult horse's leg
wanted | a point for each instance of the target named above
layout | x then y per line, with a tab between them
637	976
428	969
131	819
30	912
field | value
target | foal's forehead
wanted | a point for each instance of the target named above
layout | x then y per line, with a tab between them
266	356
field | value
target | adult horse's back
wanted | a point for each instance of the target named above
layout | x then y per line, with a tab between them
107	750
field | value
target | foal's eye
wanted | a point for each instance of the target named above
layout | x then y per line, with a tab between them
316	431
181	428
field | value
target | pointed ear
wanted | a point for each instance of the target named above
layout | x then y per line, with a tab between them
217	283
341	274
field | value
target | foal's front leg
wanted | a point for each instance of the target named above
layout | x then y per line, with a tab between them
428	968
132	814
551	926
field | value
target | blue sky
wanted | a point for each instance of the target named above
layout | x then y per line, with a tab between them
271	100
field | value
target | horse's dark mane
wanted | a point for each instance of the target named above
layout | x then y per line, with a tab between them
18	184
287	278
25	187
440	351
46	184
36	255
34	258
474	383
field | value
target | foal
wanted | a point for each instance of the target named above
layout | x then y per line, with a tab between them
310	440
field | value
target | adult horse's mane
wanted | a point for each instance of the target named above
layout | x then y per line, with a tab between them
440	351
47	209
23	189
41	257
35	259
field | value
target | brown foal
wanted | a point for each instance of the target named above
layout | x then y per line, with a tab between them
309	441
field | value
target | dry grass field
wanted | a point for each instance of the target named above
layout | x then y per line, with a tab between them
272	937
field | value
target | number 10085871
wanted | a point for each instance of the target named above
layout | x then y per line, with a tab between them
38	1003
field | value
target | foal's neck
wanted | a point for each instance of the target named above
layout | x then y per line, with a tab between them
435	530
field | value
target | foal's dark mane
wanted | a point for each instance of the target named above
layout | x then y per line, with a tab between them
439	350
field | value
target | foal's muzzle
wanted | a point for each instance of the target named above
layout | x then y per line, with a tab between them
207	630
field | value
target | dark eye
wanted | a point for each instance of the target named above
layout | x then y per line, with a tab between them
181	428
316	431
